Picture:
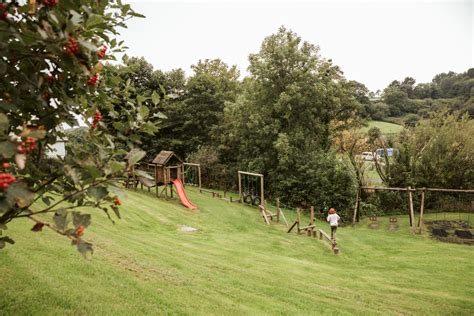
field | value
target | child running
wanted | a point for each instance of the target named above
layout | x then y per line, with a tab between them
333	220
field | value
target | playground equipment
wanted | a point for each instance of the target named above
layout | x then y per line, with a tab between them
192	174
468	203
310	229
268	216
165	170
182	194
249	189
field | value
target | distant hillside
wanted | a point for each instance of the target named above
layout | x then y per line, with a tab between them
385	127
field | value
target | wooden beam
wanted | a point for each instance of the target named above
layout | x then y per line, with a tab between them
240	187
283	216
262	196
422	208
356	207
251	174
410	205
292	226
278	210
311	216
386	189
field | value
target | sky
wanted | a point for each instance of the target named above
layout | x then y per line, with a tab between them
374	42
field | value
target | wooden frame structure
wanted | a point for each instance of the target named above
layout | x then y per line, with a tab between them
409	191
199	172
310	228
240	173
268	216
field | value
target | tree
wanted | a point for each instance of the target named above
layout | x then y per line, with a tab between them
50	75
284	115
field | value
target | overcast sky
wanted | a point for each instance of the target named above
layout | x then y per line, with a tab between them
374	42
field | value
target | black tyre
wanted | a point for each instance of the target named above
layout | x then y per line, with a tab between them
248	199
256	201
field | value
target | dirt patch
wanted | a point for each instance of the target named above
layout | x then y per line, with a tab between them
459	232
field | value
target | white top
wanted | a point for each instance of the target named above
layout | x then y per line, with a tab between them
333	219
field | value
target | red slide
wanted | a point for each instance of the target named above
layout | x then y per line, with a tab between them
182	194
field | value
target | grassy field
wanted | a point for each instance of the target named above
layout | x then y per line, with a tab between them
233	265
385	127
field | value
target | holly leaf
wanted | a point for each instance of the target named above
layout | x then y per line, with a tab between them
98	193
4	124
4	240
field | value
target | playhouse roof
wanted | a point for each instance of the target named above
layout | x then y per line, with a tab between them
164	156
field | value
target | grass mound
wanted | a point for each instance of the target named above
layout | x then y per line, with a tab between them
231	264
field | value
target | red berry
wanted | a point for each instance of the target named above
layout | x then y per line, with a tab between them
27	146
93	80
72	46
117	201
101	52
5	180
50	3
5	165
80	230
96	120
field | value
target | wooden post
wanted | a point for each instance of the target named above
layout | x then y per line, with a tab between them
262	197
278	210
199	175
311	218
422	208
410	201
230	198
356	207
240	188
298	220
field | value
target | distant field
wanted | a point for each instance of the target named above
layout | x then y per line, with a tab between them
233	265
386	128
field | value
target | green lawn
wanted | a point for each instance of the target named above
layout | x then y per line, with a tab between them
385	127
233	265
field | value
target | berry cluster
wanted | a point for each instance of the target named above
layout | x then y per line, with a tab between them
117	201
101	52
3	11
79	231
27	146
97	119
5	180
50	3
5	165
93	80
72	46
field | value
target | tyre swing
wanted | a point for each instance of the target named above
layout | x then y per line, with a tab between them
255	193
251	188
247	194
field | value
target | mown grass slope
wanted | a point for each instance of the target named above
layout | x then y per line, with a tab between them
385	127
234	264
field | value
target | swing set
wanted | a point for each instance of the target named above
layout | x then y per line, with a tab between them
250	190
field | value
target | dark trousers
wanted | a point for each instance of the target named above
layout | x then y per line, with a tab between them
333	232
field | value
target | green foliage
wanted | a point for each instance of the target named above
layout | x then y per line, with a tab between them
51	76
438	152
319	179
285	112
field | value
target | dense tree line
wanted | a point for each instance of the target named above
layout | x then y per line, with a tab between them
410	101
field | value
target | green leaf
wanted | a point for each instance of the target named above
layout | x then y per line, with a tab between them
81	219
116	166
60	219
84	247
155	98
143	111
7	149
4	240
98	193
4	124
135	155
94	19
20	194
116	210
